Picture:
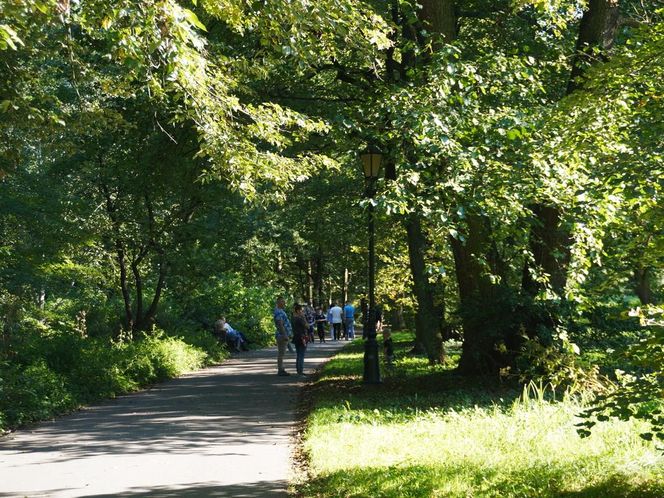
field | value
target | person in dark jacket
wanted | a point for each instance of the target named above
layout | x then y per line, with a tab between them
300	337
320	323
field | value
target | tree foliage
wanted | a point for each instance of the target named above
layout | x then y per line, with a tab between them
157	155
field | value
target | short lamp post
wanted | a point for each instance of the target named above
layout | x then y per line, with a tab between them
371	162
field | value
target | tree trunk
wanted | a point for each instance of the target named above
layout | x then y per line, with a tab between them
345	292
550	244
318	277
427	321
596	31
489	338
439	17
138	286
398	321
150	315
642	285
41	298
310	281
119	256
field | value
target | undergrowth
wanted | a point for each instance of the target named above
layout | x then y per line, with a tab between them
52	372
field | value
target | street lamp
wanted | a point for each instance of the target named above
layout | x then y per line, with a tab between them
371	161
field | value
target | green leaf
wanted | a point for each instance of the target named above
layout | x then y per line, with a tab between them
193	19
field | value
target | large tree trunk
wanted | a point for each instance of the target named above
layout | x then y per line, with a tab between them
490	331
550	243
428	329
476	294
438	18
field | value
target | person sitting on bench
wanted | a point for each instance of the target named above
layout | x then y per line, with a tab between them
234	338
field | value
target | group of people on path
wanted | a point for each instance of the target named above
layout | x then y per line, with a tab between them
299	330
305	321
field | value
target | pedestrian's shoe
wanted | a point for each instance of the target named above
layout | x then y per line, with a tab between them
283	373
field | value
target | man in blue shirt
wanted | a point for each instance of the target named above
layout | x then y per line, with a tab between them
282	334
349	320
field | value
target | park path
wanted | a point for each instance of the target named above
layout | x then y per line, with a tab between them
224	431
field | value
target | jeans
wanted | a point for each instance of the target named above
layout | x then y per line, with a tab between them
299	357
350	328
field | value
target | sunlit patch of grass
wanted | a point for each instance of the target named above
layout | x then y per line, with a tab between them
428	432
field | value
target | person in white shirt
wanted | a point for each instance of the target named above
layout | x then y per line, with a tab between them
337	319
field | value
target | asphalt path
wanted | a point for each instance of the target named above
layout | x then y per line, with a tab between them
224	431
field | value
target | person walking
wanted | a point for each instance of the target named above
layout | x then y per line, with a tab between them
310	317
337	320
320	324
300	337
329	320
349	320
282	334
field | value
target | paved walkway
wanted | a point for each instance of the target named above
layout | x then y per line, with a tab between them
220	432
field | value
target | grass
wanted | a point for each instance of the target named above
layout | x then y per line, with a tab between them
427	432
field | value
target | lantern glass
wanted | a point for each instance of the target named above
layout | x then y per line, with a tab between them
371	164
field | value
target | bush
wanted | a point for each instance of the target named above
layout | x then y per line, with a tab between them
167	356
56	371
32	393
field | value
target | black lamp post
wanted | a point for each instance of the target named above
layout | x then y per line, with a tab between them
371	160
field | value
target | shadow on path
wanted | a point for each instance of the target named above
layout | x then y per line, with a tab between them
222	431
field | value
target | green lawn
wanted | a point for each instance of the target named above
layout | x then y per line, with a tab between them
427	432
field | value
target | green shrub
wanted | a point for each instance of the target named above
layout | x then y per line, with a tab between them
55	371
168	356
201	339
96	375
32	393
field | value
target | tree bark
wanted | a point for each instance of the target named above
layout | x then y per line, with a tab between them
439	20
490	334
120	257
428	328
138	286
318	276
310	281
151	313
642	285
439	17
475	293
344	294
596	31
397	319
550	244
